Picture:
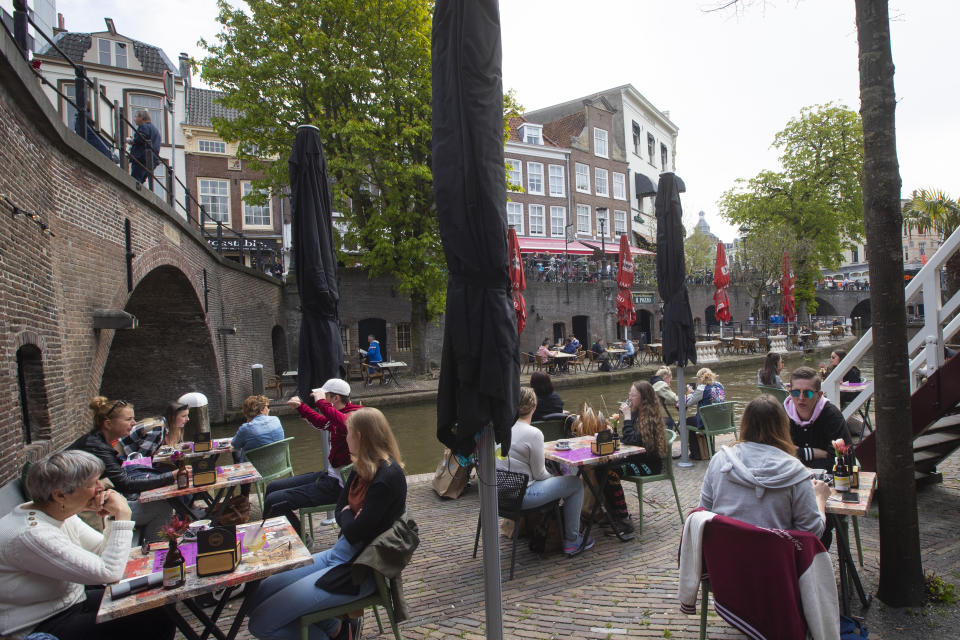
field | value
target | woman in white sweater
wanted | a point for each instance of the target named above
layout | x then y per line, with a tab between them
47	555
526	456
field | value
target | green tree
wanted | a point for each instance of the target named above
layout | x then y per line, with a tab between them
758	262
700	252
360	73
931	210
816	193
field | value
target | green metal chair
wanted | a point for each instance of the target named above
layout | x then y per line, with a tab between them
307	513
272	461
717	418
382	597
665	474
776	392
552	426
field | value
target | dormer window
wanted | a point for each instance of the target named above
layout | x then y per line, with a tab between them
531	133
112	53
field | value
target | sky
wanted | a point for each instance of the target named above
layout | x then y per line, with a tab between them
730	80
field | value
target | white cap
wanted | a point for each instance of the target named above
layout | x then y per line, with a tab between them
337	386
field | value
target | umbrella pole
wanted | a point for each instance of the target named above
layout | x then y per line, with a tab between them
682	427
490	530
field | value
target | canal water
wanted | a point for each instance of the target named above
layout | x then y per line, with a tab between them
415	425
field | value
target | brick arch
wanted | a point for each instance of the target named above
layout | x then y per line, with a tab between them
30	337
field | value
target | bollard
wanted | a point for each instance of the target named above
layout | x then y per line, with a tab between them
256	373
199	415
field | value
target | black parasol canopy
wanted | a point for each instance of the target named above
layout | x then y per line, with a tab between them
315	264
679	342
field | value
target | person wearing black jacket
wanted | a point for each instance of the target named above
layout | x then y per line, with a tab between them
374	497
548	400
113	420
814	422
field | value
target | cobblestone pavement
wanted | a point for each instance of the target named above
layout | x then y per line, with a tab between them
624	590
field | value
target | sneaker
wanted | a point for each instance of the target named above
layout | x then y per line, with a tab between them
573	547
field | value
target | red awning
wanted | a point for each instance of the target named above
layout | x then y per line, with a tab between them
557	245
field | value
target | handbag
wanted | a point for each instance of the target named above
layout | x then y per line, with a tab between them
451	478
236	511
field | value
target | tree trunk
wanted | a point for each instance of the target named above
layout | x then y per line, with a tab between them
952	276
901	573
418	334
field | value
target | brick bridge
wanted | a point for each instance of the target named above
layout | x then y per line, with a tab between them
105	244
850	304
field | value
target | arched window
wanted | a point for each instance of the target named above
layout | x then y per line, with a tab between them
33	394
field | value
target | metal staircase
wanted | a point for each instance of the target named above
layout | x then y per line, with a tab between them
934	382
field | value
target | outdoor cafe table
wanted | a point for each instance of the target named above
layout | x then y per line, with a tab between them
752	344
217	446
283	551
836	509
391	370
560	358
580	456
228	478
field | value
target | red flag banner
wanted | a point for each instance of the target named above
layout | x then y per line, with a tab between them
786	290
518	281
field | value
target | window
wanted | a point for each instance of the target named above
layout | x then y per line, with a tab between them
558	221
212	146
152	105
583	178
855	255
536	220
112	53
535	178
600	143
215	198
531	133
922	246
556	181
603	221
651	146
403	336
515	216
637	139
583	218
515	174
663	156
345	338
600	182
120	54
619	223
254	215
619	186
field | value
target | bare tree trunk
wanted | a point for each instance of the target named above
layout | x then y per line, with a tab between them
418	333
901	572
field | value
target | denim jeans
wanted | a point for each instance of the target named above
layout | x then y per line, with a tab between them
569	488
285	496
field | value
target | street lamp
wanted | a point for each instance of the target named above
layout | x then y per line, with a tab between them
602	221
567	239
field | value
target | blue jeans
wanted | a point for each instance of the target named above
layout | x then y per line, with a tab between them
149	517
569	488
285	496
281	599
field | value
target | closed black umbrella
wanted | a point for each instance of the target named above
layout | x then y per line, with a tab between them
479	371
679	343
320	356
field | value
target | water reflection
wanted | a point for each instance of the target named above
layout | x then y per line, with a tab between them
415	425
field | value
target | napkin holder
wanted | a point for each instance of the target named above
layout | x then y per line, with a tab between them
202	442
204	472
603	444
218	550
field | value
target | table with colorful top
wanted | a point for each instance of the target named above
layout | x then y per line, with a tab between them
580	457
217	446
836	511
228	478
283	551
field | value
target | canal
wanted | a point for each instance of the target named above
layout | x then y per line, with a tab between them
415	425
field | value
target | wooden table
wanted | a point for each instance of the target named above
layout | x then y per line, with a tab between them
580	457
228	478
391	370
217	446
836	511
283	551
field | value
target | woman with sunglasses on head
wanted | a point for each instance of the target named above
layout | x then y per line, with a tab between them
852	375
113	420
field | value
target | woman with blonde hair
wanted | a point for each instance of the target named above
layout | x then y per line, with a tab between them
374	497
170	433
708	391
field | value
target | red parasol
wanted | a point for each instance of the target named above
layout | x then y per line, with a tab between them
626	315
721	278
786	288
518	281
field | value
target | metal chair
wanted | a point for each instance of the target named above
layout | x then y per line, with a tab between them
776	392
552	426
665	474
272	461
511	488
382	597
717	418
307	513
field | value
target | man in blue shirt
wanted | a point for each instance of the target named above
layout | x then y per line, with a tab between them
629	353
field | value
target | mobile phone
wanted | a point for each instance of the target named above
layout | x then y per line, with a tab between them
851	496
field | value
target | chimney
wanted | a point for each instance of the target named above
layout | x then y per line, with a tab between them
61	24
185	69
110	26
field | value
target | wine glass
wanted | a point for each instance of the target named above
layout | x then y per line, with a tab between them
255	537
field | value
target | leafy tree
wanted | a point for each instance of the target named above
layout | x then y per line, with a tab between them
758	262
933	210
360	73
816	193
700	251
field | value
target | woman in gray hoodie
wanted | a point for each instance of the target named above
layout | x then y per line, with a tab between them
759	479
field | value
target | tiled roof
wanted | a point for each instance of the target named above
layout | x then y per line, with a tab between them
202	105
515	122
75	45
567	127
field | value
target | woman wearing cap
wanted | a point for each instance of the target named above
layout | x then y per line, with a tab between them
259	430
169	434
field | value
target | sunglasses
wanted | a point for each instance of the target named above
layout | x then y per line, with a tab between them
116	405
806	393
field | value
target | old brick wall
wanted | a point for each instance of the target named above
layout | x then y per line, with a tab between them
51	286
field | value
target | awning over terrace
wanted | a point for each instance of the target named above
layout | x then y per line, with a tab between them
556	245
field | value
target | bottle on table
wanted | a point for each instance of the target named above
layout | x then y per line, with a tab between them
183	476
174	567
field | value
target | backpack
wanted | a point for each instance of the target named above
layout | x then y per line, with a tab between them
852	628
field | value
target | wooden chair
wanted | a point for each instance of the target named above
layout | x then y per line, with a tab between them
382	596
527	361
717	418
272	461
511	488
576	362
276	383
541	364
665	474
776	392
353	369
307	513
368	375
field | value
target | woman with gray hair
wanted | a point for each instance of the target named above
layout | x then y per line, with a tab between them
48	554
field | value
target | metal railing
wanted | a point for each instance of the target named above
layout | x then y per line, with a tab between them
112	143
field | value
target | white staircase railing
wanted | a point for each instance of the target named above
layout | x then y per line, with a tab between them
925	349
